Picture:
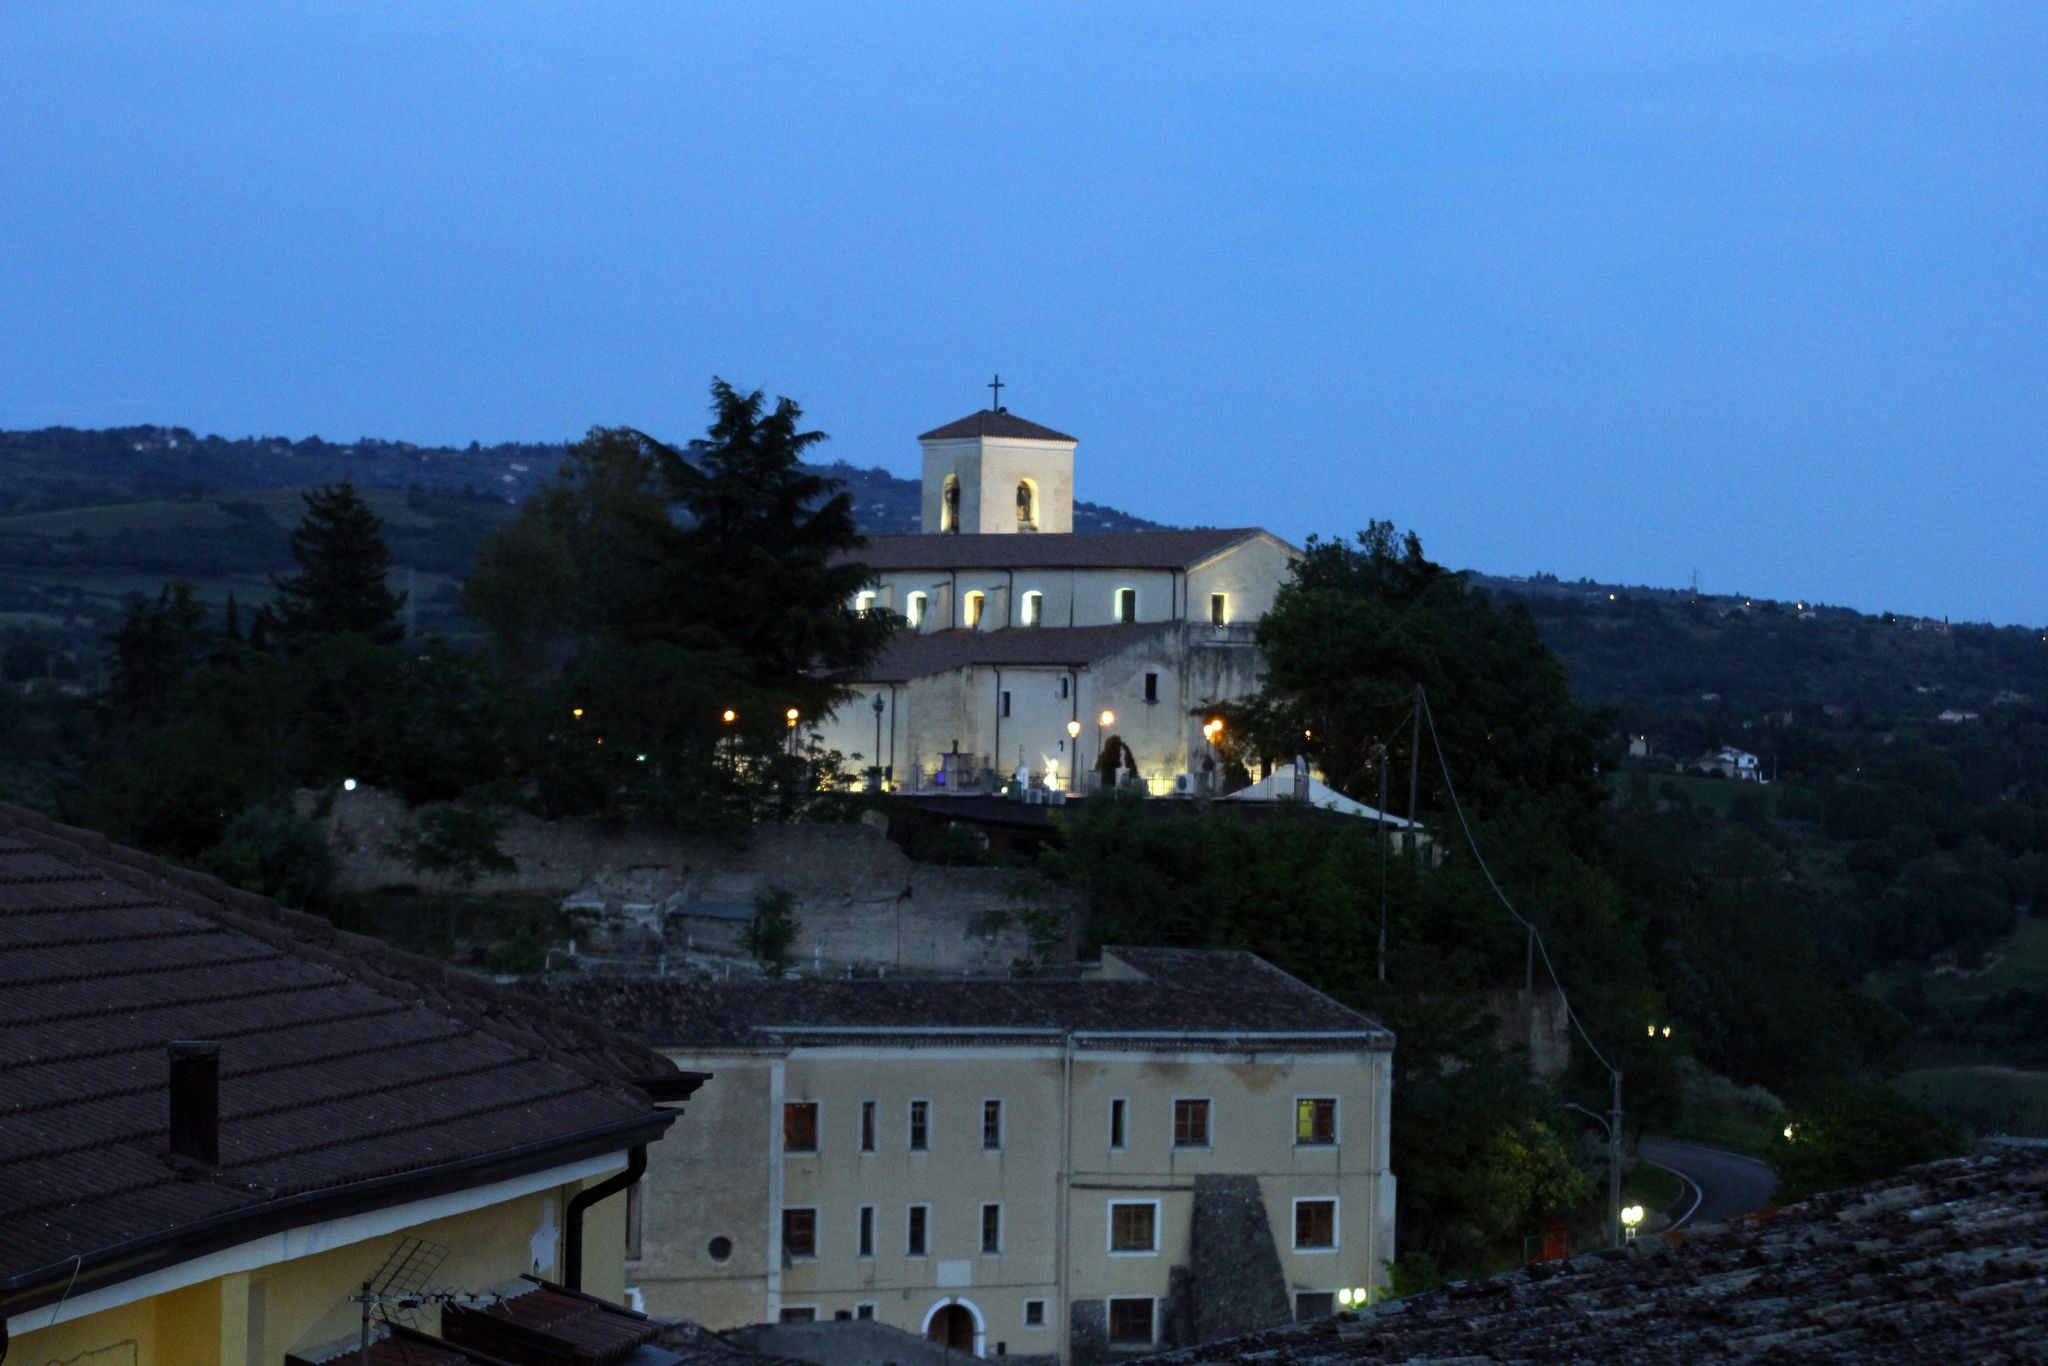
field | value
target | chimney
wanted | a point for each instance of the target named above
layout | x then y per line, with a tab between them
195	1100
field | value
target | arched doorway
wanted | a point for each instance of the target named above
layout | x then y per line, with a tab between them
956	1325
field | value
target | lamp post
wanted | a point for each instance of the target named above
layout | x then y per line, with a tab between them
1611	1122
789	718
1631	1216
875	783
1102	723
1379	761
1074	744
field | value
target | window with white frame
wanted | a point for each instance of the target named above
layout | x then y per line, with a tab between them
864	1233
1126	604
917	1227
800	1126
1130	1321
991	1124
1034	1313
1031	612
1315	1224
864	1310
1133	1227
867	1126
864	601
920	1126
1117	1108
1315	1121
1219	609
800	1234
970	609
914	609
1191	1123
991	1230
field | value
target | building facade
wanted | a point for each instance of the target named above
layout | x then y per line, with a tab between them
1020	632
1179	1145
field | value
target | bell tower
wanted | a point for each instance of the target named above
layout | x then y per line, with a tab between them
992	472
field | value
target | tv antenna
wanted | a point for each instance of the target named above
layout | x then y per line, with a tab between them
404	1286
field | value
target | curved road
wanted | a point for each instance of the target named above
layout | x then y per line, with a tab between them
1726	1184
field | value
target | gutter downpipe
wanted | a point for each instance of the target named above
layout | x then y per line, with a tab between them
1066	1194
572	1255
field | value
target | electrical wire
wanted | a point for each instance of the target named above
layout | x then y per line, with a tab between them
1535	934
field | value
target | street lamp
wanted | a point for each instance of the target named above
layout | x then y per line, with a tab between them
1102	723
1630	1217
729	716
875	785
1611	1122
1354	1297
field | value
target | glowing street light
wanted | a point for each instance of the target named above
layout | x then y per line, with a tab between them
348	784
576	712
1108	717
729	716
1630	1217
1073	730
1354	1297
790	716
1788	1133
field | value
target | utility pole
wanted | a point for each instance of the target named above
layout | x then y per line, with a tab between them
1614	1164
1379	759
1414	768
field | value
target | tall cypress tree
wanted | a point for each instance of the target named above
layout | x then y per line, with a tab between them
340	587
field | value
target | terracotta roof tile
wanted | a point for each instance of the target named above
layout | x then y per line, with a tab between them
918	654
341	1060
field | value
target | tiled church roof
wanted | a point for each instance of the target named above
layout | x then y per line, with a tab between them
1050	550
1947	1262
993	422
919	654
342	1062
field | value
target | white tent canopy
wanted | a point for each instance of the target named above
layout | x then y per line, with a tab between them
1279	785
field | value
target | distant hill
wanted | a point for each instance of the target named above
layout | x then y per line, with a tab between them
91	518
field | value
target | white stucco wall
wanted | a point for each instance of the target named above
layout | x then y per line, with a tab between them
989	470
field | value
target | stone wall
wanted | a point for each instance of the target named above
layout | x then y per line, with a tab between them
1534	1021
860	900
1235	1284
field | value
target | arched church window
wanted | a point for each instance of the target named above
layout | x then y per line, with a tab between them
949	504
1027	505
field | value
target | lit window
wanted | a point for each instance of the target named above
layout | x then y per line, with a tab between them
914	1240
1219	609
866	1241
1027	505
915	609
971	609
920	1125
1315	1120
800	1127
949	504
1034	1313
1191	1124
1130	1322
1126	604
864	603
1033	612
1134	1226
992	1120
1116	1123
991	1230
1315	1225
867	1126
799	1233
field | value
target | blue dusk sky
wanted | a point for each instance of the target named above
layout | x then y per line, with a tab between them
1619	291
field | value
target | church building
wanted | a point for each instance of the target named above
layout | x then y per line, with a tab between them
1029	647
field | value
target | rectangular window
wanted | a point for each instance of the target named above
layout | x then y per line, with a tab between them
1314	1304
800	1126
914	1239
1134	1226
864	1310
1315	1225
1066	682
1034	1313
1126	604
991	1124
867	1126
799	1314
1219	609
1191	1124
866	1239
799	1233
1315	1120
920	1126
971	609
991	1230
1151	687
864	603
1116	1122
1034	609
1006	704
916	613
1130	1322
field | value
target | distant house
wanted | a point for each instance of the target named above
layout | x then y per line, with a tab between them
1955	717
1638	746
1730	762
222	1118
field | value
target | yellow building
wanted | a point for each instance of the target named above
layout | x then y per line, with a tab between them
219	1120
1176	1146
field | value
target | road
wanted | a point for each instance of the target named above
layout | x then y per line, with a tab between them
1727	1184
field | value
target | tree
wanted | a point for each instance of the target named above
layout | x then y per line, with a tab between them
773	929
1856	1134
340	587
158	645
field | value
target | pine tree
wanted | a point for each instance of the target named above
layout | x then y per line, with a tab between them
340	587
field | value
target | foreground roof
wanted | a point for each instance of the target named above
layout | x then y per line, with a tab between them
993	422
1173	997
1942	1262
352	1076
1050	549
919	654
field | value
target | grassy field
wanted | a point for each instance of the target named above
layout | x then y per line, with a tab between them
1987	1098
2020	964
1713	793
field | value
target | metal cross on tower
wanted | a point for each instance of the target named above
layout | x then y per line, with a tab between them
996	387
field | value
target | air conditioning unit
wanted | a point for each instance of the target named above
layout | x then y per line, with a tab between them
1183	784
